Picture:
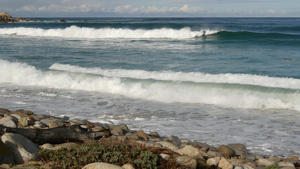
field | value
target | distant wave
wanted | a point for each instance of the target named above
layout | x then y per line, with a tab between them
243	35
100	33
225	90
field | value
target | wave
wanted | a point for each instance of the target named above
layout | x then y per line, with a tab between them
102	33
242	35
252	91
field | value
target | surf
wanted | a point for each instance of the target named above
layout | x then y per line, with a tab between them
107	33
166	87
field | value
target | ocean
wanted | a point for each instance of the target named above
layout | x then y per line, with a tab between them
214	80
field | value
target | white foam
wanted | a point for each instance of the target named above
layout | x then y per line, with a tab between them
247	79
171	86
100	33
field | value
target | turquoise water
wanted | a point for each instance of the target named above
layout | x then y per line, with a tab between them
216	80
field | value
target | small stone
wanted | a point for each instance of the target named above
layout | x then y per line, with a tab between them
168	145
238	167
250	157
47	146
188	161
165	156
101	166
213	161
226	151
224	164
190	151
141	134
10	124
265	162
98	128
213	154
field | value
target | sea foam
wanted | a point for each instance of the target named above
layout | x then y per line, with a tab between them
102	33
170	87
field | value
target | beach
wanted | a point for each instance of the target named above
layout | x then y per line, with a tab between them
213	80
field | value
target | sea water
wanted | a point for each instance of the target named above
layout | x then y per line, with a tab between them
214	80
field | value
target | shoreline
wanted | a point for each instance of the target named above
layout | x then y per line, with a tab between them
234	154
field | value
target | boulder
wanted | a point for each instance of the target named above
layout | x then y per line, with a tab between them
6	156
239	149
63	146
265	162
141	134
119	130
226	151
187	161
224	164
190	151
22	148
127	166
213	161
52	122
101	166
168	145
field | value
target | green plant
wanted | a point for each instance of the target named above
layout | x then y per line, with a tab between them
273	166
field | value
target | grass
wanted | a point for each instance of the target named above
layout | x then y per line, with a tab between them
109	151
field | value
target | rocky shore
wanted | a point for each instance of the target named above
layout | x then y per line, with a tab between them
24	133
7	18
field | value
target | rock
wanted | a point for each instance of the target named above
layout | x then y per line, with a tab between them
190	151
132	136
141	134
154	134
53	125
47	122
188	161
10	123
23	121
6	156
149	144
213	161
250	157
101	166
168	145
120	130
63	146
226	151
4	111
265	162
239	149
5	18
165	156
175	140
16	116
238	167
127	166
63	20
213	154
285	164
22	148
294	158
224	164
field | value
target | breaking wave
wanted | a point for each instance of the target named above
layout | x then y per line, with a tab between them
225	90
102	33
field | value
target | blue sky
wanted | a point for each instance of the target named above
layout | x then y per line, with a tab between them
152	8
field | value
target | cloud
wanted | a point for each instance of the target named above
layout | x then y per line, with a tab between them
154	9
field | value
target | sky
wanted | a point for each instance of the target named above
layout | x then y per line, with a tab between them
151	8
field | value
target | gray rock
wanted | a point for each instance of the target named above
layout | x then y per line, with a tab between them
285	164
165	156
226	151
132	136
239	149
154	134
22	148
63	146
52	120
10	124
101	166
16	116
8	118
119	130
250	157
238	167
